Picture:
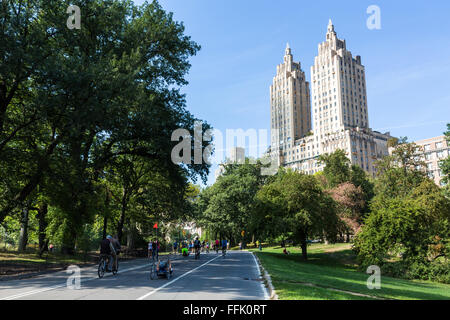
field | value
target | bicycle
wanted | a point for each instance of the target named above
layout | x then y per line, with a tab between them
224	252
197	254
102	265
154	273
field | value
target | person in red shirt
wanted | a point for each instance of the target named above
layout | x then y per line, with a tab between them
217	245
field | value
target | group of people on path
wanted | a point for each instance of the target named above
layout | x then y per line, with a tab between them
110	247
188	247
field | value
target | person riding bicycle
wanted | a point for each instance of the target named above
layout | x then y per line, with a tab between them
163	265
155	249
197	245
107	249
224	245
217	245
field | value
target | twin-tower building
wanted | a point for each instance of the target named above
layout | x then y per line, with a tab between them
329	113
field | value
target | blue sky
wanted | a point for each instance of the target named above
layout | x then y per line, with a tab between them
407	61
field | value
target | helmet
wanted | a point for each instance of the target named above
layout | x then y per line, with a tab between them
108	237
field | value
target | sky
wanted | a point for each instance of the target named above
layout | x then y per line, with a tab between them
407	61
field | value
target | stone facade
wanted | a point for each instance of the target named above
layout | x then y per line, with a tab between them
433	151
337	103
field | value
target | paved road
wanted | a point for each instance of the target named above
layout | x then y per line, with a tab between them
235	277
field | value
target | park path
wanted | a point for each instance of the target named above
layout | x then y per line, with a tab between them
212	277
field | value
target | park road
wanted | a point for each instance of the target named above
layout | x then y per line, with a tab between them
213	277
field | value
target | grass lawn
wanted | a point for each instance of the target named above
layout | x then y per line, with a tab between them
334	266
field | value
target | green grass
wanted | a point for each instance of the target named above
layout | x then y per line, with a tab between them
334	266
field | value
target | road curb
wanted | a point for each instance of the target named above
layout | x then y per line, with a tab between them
267	280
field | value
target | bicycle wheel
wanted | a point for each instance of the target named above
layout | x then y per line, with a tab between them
101	268
153	274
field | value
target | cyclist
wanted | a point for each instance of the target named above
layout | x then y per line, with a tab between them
150	248
107	249
155	250
117	247
197	245
224	246
175	246
217	246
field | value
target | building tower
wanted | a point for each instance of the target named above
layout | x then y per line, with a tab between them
338	87
290	103
339	109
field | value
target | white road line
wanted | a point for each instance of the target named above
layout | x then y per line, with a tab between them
29	293
176	279
266	294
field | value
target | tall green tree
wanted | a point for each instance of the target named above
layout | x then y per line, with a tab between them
226	207
297	201
73	101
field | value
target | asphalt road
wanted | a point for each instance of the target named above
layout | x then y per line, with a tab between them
212	277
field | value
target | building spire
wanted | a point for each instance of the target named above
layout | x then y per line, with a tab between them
330	26
288	49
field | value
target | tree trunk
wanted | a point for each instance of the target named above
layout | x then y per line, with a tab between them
105	226
23	237
33	182
42	213
304	244
131	236
122	217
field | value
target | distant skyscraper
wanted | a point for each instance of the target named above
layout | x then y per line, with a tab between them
339	109
237	155
290	103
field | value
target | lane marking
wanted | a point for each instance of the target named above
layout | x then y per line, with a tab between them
32	292
266	294
176	279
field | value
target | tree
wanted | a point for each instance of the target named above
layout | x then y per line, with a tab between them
297	201
400	172
74	102
338	170
350	204
337	167
226	207
406	227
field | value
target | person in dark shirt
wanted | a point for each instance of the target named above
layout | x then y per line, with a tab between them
106	249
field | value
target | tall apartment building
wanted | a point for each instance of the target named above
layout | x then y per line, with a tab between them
339	110
289	103
433	151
